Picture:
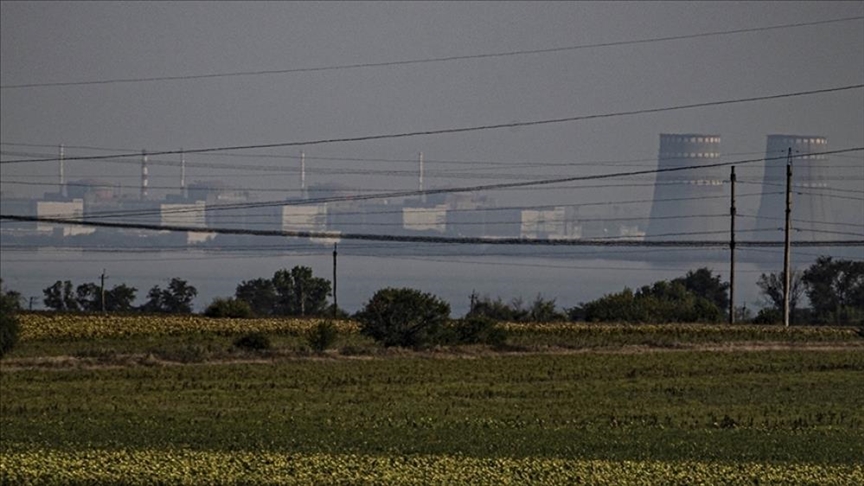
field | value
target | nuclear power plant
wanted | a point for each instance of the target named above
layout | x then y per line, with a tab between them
691	201
812	214
685	200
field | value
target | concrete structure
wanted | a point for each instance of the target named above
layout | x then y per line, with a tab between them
433	218
812	212
553	223
697	193
615	221
90	190
73	209
188	215
304	218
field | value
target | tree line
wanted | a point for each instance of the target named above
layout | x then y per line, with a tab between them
294	292
834	290
411	318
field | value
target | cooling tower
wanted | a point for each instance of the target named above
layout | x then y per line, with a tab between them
688	204
812	215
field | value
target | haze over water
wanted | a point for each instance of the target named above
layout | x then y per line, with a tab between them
71	42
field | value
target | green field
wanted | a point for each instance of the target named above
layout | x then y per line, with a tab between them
690	408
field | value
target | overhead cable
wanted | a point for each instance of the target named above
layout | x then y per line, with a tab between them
425	239
487	187
431	59
476	128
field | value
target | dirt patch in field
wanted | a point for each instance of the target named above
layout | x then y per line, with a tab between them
463	352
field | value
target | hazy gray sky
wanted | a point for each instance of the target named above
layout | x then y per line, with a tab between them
72	41
43	42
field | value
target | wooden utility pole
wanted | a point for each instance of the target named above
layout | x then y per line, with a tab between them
335	304
102	290
732	212
786	253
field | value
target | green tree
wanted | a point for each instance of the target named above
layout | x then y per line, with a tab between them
543	310
836	290
154	300
60	296
9	326
176	299
661	302
259	294
477	330
322	336
771	287
493	309
617	307
14	296
703	283
228	308
89	297
120	298
404	317
299	293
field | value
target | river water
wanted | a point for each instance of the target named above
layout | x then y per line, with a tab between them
453	278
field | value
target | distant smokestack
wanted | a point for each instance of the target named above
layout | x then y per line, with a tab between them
182	174
144	180
303	175
421	177
62	171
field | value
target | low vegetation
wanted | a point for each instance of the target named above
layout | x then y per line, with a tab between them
404	394
9	326
789	417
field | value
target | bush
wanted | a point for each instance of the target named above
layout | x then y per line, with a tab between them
660	302
478	330
253	342
9	326
496	309
322	336
404	317
768	315
228	308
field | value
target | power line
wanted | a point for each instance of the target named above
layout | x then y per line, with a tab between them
832	196
495	165
806	221
455	260
828	232
538	265
311	249
132	213
424	239
831	189
465	129
510	185
430	59
287	190
500	223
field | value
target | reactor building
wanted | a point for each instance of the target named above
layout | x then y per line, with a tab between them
812	212
688	204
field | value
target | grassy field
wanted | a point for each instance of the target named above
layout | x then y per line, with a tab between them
558	405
